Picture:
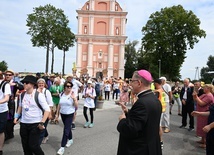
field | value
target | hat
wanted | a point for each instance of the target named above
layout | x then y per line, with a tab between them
41	79
52	75
38	74
89	82
30	79
145	74
10	71
163	78
69	75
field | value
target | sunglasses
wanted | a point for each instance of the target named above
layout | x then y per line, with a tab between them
8	74
133	80
68	86
26	82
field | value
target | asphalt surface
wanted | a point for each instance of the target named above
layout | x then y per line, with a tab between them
102	139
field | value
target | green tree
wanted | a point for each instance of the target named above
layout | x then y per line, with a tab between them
206	76
3	66
167	35
131	58
64	41
44	23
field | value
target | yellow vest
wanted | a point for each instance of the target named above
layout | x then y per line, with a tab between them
162	99
152	86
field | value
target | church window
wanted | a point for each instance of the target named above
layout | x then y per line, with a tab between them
100	54
87	6
116	7
85	29
117	31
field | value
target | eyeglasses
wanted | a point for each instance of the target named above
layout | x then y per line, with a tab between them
8	74
68	86
133	80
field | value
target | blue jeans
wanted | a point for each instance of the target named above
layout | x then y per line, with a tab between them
67	133
116	91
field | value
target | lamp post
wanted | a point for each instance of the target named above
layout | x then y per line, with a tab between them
159	66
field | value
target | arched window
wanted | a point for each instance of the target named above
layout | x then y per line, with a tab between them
117	31
85	29
87	6
116	7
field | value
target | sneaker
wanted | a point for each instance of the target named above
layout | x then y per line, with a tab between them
191	129
91	125
73	127
61	151
45	139
166	130
182	126
69	143
86	124
161	143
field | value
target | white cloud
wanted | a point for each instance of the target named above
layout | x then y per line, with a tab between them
16	48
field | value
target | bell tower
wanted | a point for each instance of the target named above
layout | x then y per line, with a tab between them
101	39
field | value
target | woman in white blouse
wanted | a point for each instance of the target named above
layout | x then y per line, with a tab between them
89	94
66	108
41	88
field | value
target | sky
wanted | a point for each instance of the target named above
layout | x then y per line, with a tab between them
17	50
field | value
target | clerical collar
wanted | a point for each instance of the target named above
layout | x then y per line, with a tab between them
142	92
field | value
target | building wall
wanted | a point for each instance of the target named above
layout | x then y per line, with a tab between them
101	38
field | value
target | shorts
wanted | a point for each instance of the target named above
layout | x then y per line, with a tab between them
3	121
161	118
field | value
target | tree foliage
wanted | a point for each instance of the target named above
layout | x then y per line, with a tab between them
45	24
3	66
131	58
167	36
205	75
64	41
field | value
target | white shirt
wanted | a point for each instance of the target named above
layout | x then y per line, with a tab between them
66	104
4	106
185	93
89	102
48	97
76	85
116	86
107	87
31	113
62	81
167	89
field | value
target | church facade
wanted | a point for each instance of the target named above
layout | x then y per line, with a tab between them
101	39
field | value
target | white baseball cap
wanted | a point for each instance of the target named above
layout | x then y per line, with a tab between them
163	78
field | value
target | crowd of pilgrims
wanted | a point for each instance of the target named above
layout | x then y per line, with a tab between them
61	94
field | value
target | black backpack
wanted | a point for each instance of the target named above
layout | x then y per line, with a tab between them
36	98
2	85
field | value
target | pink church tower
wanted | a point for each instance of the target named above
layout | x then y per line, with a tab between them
101	39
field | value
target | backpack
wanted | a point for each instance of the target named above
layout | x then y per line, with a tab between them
36	98
92	90
97	89
2	85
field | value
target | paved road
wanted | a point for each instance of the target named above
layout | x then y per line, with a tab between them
103	138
